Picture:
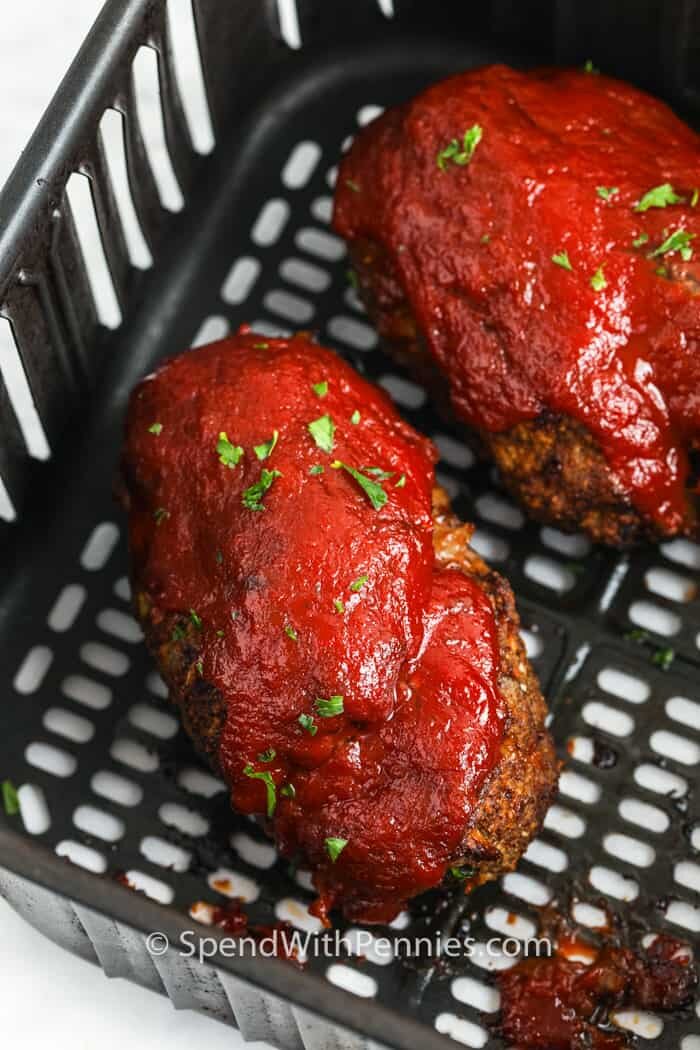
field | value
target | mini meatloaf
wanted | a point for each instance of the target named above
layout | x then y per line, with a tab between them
337	652
528	240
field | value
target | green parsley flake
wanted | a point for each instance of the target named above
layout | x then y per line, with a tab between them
10	799
352	185
606	193
219	558
598	282
316	469
329	708
288	791
663	658
485	238
261	346
155	428
291	633
178	633
588	67
658	197
252	497
639	241
355	417
461	155
679	241
359	583
229	455
196	619
160	515
234	614
378	473
269	787
562	259
353	280
374	492
264	450
401	482
322	431
268	755
221	634
339	605
334	847
694	199
199	668
637	634
461	873
320	389
308	725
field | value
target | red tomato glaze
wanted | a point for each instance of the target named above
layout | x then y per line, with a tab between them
614	341
319	595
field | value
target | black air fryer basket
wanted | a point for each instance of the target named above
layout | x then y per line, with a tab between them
111	793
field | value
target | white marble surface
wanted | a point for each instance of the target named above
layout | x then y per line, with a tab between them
48	998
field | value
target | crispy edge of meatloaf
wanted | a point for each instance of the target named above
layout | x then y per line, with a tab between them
516	795
552	465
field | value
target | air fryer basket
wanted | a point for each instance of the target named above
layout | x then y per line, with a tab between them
106	779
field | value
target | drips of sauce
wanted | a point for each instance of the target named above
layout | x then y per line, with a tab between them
362	711
610	334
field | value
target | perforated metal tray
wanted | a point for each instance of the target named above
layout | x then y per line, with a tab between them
107	779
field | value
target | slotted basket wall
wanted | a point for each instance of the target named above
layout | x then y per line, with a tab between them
107	780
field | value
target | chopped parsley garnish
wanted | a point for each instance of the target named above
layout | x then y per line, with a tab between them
401	482
316	469
678	241
229	455
352	185
308	725
658	197
598	282
460	154
252	497
329	708
219	558
359	583
10	799
639	241
196	619
322	431
155	428
353	280
637	634
291	633
661	271
178	633
264	450
334	847
606	193
339	605
588	67
461	873
234	614
378	473
268	755
160	515
562	259
288	791
694	199
355	417
221	634
199	666
374	492
261	346
320	389
269	787
485	238
663	658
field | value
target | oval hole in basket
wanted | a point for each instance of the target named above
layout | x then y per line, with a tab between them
187	821
632	851
104	658
303	879
99	546
149	113
641	1023
290	307
527	888
509	923
687	712
151	887
234	884
355	334
84	691
149	720
50	759
352	980
366	114
613	884
65	723
33	669
165	854
270	222
497	510
462	1031
95	822
626	686
82	855
182	33
289	23
136	756
66	607
490	547
19	393
549	573
322	209
546	856
114	146
211	329
670	585
687	874
449	484
483	997
7	509
305	275
120	625
589	915
320	243
33	808
581	748
401	922
403	391
683	914
645	816
240	280
563	820
534	645
454	452
293	911
376	950
492	957
675	747
199	782
600	716
82	207
578	787
653	778
655	618
258	854
301	164
572	546
156	685
683	552
269	329
115	788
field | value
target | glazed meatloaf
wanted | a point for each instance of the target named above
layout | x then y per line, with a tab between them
337	652
526	241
